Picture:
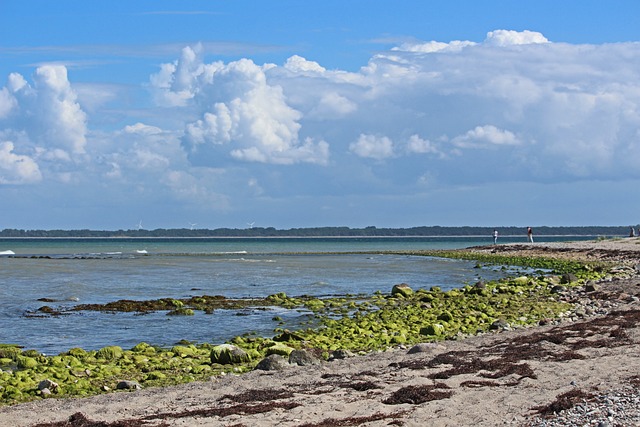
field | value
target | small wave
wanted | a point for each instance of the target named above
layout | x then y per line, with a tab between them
142	251
254	260
319	283
7	253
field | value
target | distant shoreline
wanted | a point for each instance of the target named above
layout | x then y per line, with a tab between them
478	236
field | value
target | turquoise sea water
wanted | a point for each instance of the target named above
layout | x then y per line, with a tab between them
74	271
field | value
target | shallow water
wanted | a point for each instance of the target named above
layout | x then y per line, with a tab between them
72	271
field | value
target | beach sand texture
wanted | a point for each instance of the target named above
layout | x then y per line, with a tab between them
513	377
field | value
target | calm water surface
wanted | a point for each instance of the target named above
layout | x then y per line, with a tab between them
72	271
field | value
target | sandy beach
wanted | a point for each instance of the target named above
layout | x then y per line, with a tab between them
582	369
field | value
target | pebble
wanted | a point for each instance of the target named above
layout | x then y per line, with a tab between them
616	408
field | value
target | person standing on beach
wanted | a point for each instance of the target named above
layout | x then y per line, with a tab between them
495	237
530	234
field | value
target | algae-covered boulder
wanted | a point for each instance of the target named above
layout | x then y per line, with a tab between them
25	362
402	290
184	351
9	351
277	298
522	280
77	352
435	329
109	353
143	347
226	354
281	349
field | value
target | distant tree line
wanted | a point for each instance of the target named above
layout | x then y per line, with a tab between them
436	231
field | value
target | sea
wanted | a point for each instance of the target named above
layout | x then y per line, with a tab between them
69	271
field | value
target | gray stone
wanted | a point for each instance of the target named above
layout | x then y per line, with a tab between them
128	385
499	324
341	354
303	358
273	362
590	286
425	348
47	384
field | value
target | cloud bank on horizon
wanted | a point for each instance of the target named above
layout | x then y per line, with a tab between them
512	129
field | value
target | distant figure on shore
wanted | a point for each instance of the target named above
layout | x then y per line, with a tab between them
530	234
632	232
495	237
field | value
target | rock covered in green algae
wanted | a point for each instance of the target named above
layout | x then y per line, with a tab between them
279	348
109	353
435	329
402	290
226	354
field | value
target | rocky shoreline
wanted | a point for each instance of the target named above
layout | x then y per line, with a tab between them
583	369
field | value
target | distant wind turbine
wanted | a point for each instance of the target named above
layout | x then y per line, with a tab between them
250	224
192	224
140	225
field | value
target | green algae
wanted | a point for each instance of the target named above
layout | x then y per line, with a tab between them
357	323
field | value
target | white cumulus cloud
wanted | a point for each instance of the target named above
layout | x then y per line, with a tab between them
299	64
16	168
142	129
486	136
421	146
434	116
245	116
373	147
510	38
48	112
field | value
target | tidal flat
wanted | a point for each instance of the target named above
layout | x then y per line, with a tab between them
359	324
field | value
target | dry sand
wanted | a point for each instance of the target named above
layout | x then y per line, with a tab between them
502	378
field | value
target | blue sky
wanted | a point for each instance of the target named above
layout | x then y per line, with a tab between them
302	113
